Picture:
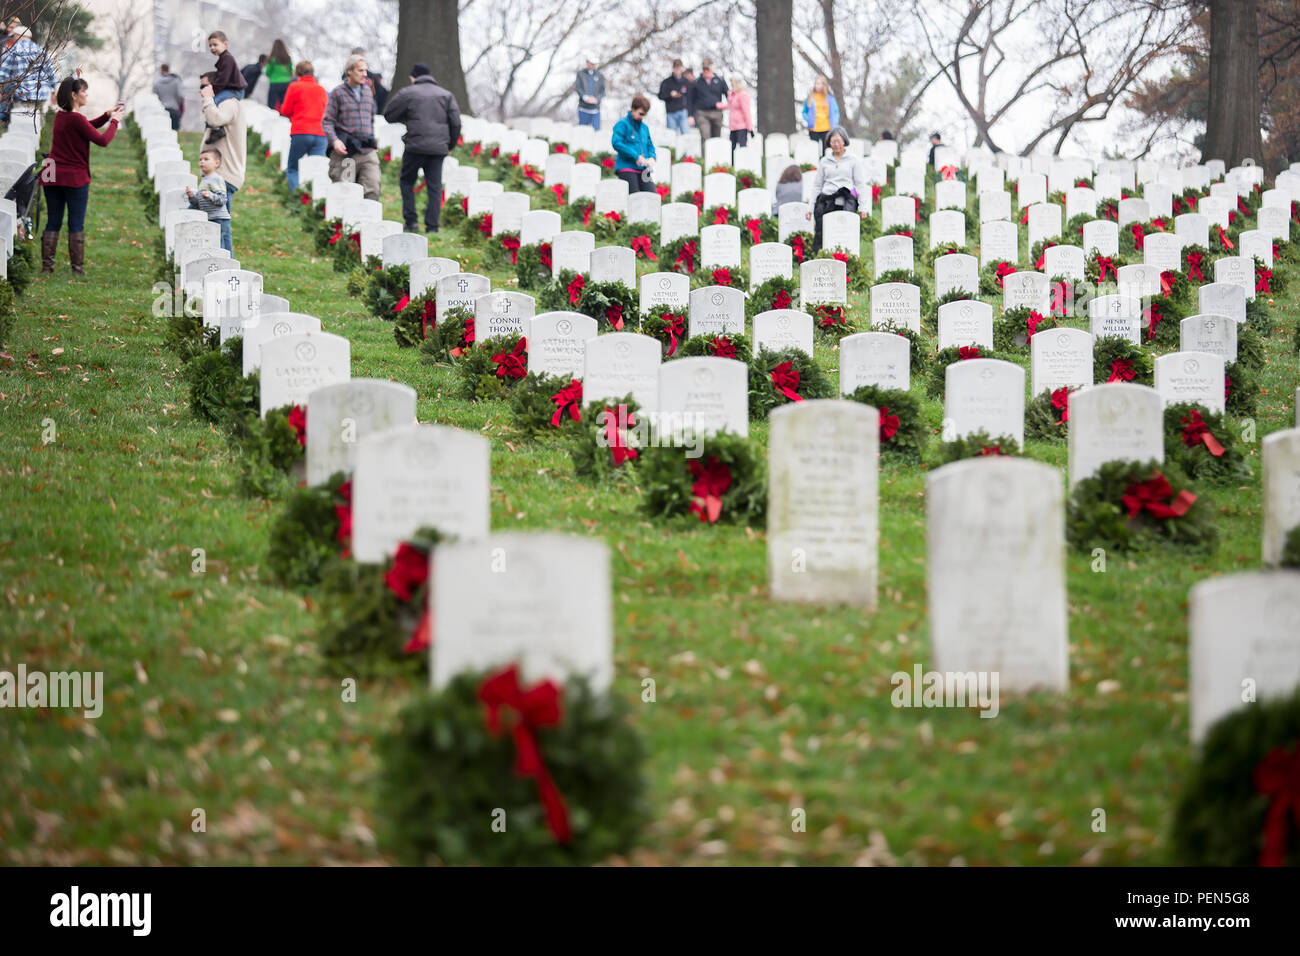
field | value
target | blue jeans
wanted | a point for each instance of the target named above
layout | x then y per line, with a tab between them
228	95
677	120
230	194
300	145
589	119
72	198
226	242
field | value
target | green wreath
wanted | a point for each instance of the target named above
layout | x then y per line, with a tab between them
1039	248
497	253
1220	818
1115	358
801	246
1250	347
445	779
1180	288
554	295
453	213
990	281
1241	390
588	443
452	338
533	406
1185	423
269	450
533	266
1277	281
1097	517
306	535
1259	317
734	346
833	321
578	214
777	292
385	288
669	326
903	435
978	444
774	375
734	277
1092	271
477	229
666	477
1162	318
326	230
941	250
1047	416
412	323
720	215
936	371
768	229
219	391
1012	331
609	228
347	252
681	255
185	335
856	270
494	368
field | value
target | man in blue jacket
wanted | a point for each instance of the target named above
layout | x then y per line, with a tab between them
634	150
590	87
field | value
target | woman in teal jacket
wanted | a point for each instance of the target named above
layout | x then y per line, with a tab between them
634	150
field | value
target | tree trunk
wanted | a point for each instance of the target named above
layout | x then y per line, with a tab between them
428	32
1232	124
776	67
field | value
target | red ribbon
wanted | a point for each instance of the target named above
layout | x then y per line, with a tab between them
402	303
538	706
613	216
1121	370
796	244
614	316
781	300
338	233
1138	235
615	438
344	514
1156	496
559	148
1104	263
607	162
544	254
513	364
1003	270
355	239
697	197
1058	298
1061	402
511	245
575	289
428	317
785	379
673	325
991	451
298	422
687	254
1277	777
558	189
1223	238
1035	318
1241	205
968	352
1167	282
1153	317
1197	432
642	247
306	199
829	315
875	193
664	192
721	215
723	347
722	277
586	206
409	572
1024	217
1159	224
466	340
888	424
476	149
514	159
531	173
948	172
711	482
755	227
567	399
1262	277
422	636
485	226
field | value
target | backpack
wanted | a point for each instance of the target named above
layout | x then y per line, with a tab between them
23	191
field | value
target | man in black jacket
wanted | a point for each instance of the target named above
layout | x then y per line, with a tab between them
708	96
432	119
673	92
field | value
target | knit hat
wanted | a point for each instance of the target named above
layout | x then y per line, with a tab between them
420	69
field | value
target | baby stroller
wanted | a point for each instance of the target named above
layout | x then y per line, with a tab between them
26	196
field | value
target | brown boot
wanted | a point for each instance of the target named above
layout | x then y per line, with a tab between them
49	247
77	252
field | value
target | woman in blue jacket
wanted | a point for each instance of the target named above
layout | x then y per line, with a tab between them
634	150
821	113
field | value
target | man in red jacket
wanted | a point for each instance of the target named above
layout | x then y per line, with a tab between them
304	104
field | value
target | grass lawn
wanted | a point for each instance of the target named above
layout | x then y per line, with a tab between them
217	699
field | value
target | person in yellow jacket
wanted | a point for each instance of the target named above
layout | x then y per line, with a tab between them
821	113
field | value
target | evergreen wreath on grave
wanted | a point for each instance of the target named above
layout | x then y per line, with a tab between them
903	435
832	320
681	255
604	159
492	370
347	251
930	315
979	444
451	338
313	530
185	335
605	444
327	234
777	292
695	197
1238	806
477	229
783	376
1014	328
941	250
533	266
917	346
902	229
1131	506
503	250
609	227
857	274
801	246
570	777
991	276
1202	444
563	292
936	373
1291	549
550	198
377	618
719	215
1250	348
1163	318
1098	268
748	179
643	239
721	168
614	306
386	289
1222	241
544	404
454	212
1074	226
668	325
1258	316
1047	416
1063	292
578	213
1268	281
868	230
756	229
1240	390
725	482
734	277
219	392
732	346
357	281
1038	251
412	324
1116	359
270	449
1175	286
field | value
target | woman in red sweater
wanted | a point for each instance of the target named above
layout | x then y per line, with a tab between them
66	174
304	104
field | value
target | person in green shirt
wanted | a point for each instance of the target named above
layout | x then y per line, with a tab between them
279	74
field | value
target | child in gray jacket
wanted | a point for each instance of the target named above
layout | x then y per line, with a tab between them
210	197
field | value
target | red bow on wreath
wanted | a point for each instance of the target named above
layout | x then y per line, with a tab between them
514	159
485	226
476	149
1104	263
464	205
721	215
466	340
402	303
298	422
558	189
544	254
355	239
991	451
586	209
1059	290
1262	277
1197	432
338	233
1242	207
428	317
1061	402
539	706
1223	238
888	424
1159	224
687	255
829	316
1156	496
567	399
513	364
613	216
575	289
1035	317
711	482
875	194
1153	317
531	173
785	379
409	572
1003	270
1138	235
948	172
1121	370
665	194
796	246
723	347
559	148
642	247
697	197
968	352
722	277
1168	281
781	300
614	316
616	438
1277	777
343	513
511	245
675	327
755	227
306	199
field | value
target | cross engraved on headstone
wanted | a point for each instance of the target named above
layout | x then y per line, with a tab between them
505	305
462	284
233	282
